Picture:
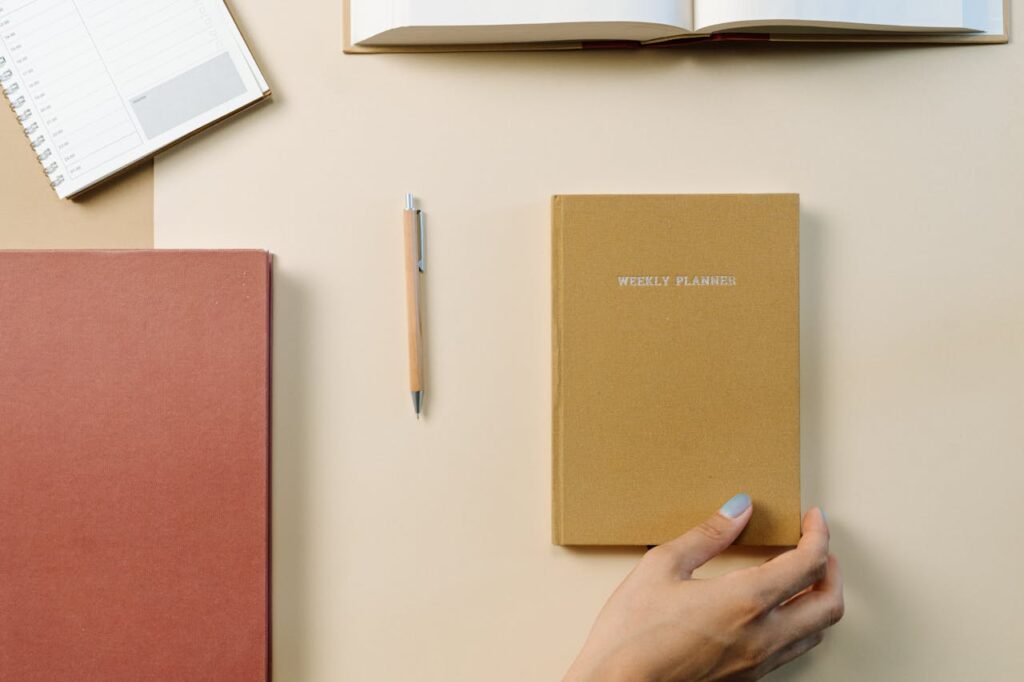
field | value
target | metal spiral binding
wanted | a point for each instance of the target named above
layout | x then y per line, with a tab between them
10	88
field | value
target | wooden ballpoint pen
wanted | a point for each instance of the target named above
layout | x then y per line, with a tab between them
414	268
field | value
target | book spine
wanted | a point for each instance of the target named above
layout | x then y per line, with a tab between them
556	371
15	92
711	39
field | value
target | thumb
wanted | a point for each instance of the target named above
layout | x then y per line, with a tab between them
697	546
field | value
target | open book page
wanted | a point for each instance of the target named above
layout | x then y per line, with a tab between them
100	84
988	16
382	22
897	15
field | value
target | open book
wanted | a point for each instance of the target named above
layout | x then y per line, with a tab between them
389	25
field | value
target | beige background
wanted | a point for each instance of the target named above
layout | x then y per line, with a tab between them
114	215
419	551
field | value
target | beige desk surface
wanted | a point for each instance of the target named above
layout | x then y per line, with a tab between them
117	215
419	551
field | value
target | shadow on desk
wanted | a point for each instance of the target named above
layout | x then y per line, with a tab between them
814	292
591	67
291	598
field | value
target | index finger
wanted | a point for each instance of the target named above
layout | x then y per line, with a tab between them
794	571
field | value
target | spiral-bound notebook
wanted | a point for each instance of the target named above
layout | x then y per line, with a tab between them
99	85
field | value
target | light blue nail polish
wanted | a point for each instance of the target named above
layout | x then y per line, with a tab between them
735	506
824	518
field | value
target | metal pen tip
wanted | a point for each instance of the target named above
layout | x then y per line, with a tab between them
409	202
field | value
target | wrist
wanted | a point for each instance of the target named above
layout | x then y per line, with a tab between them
609	668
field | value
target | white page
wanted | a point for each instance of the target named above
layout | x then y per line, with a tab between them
104	83
985	15
371	17
901	13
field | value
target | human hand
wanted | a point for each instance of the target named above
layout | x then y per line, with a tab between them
661	625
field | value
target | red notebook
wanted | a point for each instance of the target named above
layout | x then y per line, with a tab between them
134	466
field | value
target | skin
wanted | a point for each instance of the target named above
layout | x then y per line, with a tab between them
662	625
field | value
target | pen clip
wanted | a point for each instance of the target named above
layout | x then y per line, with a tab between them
410	205
423	243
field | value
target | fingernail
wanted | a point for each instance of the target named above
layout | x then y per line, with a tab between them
823	517
735	506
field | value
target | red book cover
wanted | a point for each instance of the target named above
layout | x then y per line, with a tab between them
134	466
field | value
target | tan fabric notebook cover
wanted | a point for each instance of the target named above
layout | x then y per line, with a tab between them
688	41
675	365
